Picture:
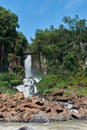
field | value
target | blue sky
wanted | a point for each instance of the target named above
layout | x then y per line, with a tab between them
40	14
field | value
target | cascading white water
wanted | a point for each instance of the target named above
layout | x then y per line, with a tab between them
28	88
28	64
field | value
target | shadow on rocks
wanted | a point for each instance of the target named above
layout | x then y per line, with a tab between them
25	128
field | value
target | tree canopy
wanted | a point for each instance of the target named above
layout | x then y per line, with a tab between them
64	48
61	49
11	41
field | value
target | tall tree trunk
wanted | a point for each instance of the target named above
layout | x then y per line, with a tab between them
39	61
1	59
4	58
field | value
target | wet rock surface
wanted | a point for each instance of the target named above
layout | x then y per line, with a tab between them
42	109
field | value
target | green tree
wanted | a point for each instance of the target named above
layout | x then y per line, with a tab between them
20	46
8	25
63	47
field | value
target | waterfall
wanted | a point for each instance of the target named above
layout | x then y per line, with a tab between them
27	65
29	83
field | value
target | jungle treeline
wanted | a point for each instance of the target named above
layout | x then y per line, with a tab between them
12	42
61	49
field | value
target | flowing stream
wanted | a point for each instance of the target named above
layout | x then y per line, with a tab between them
67	125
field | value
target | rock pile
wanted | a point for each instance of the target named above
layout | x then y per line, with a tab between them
45	108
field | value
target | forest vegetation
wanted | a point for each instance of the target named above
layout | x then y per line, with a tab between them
12	44
62	51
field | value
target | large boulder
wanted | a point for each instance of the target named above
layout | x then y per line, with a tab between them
40	117
25	128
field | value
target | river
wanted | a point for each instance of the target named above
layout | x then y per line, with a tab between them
67	125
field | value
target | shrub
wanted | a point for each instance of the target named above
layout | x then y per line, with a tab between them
7	81
47	83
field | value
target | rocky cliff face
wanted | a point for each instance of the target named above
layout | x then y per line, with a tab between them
14	62
39	64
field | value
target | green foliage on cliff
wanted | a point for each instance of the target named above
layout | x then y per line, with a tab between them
63	48
11	41
64	52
